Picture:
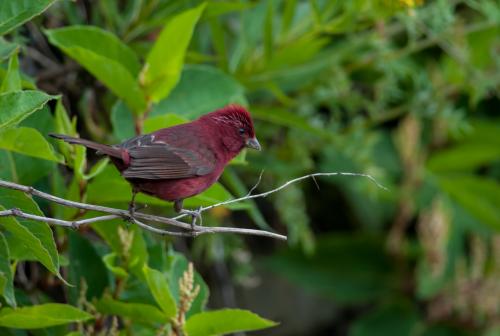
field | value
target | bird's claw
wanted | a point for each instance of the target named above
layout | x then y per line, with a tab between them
195	216
132	209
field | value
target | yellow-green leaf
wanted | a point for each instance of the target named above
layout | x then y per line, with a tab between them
158	285
225	321
41	316
28	141
17	106
164	62
12	79
15	13
104	56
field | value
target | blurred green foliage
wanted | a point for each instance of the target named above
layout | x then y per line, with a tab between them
407	91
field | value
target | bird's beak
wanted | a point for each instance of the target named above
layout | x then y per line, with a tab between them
253	143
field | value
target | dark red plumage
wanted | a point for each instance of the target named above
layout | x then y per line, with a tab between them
181	161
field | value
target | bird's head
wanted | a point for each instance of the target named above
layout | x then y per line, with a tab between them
235	127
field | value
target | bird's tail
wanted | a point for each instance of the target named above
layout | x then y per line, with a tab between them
104	149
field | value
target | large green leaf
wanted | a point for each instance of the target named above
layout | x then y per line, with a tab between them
17	106
41	316
225	321
35	236
106	57
164	62
99	41
15	13
6	273
158	285
202	89
137	312
28	141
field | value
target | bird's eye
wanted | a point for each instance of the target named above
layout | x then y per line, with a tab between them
241	130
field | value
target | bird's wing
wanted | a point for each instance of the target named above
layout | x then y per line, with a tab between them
154	159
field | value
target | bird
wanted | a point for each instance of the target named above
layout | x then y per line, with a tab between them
181	161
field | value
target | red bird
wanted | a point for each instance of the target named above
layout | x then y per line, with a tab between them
181	161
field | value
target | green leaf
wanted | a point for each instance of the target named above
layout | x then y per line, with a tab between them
122	121
63	125
178	266
17	106
164	62
202	89
104	56
288	14
20	168
6	273
12	79
74	333
268	29
464	157
236	185
137	254
6	48
155	123
109	261
85	264
225	321
35	236
97	168
137	312
28	141
99	41
41	316
478	196
15	13
218	8
158	285
395	319
109	233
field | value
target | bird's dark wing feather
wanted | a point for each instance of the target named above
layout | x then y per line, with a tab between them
152	160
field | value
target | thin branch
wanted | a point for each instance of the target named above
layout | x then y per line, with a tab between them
118	213
189	230
283	186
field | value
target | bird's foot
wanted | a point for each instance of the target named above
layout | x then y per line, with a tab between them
195	216
131	213
132	209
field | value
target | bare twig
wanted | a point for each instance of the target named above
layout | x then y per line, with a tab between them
283	186
138	217
256	184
